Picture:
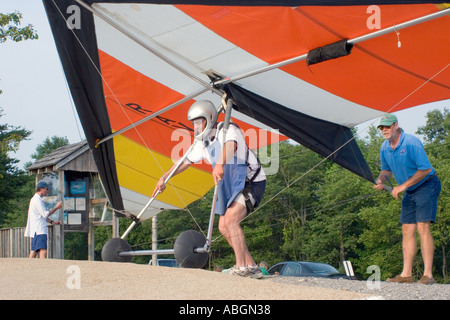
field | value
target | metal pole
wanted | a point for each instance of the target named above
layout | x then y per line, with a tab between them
352	41
153	115
146	252
226	124
211	219
158	192
155	240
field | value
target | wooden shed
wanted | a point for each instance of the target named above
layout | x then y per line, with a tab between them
72	175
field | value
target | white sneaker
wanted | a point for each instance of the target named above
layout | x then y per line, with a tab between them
236	271
255	272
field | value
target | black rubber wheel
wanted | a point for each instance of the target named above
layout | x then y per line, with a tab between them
112	248
184	249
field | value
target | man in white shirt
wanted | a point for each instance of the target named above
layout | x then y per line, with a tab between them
37	221
242	179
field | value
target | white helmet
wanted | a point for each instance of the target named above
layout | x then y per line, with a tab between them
203	109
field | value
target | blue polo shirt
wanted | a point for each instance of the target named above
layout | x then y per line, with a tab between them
404	161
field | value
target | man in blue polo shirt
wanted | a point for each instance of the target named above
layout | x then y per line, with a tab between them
403	156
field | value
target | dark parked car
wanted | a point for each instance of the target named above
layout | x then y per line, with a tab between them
305	269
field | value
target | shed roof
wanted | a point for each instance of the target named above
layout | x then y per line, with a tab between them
62	157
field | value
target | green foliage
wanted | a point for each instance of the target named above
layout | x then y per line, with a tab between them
48	146
381	238
13	181
10	28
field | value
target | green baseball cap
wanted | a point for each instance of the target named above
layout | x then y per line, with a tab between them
387	120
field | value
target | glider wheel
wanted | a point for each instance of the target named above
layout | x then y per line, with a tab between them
184	249
112	248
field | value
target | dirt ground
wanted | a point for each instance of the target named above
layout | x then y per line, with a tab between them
26	279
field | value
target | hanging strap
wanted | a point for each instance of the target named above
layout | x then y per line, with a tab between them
246	192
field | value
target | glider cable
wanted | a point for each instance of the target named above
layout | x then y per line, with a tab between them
326	158
133	125
105	17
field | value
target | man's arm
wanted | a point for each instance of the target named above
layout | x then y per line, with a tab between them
382	177
415	178
39	207
160	185
52	211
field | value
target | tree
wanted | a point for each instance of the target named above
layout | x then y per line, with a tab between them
49	145
12	179
436	129
10	28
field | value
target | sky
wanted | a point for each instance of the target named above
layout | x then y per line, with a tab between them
36	97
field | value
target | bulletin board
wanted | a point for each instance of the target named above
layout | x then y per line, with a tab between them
76	201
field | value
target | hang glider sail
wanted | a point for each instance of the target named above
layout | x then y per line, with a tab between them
310	69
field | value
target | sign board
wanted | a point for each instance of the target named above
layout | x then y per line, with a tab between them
76	201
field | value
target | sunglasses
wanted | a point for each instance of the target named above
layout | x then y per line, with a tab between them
197	122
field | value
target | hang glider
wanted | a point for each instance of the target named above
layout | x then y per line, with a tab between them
310	69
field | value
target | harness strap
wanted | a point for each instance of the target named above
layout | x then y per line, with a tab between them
247	190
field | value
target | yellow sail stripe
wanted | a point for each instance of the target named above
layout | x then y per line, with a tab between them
139	169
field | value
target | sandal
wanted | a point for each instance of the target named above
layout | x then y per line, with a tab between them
400	279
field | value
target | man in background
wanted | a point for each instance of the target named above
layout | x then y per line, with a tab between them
403	156
38	217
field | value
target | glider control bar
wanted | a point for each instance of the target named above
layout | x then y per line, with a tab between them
158	192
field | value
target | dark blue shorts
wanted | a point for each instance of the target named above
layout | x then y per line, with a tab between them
39	242
420	205
257	190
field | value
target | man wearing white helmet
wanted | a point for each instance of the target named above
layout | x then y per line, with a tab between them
236	169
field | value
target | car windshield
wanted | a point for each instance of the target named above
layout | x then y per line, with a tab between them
322	268
167	263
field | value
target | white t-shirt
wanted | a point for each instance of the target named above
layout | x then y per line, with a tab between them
37	217
210	150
